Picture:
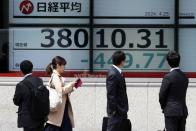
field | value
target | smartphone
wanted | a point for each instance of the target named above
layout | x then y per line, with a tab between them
78	83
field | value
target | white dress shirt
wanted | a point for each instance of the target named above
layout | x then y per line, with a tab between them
27	75
120	71
174	69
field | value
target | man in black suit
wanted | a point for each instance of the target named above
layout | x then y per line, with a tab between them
22	99
117	101
172	95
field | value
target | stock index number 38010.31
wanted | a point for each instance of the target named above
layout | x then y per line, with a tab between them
118	38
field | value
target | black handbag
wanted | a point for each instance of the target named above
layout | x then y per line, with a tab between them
125	125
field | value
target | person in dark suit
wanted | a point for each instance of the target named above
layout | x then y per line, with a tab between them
172	95
22	99
117	101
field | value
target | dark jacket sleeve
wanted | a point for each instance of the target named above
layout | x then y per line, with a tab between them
111	92
164	92
18	95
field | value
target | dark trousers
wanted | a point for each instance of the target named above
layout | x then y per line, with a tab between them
41	128
114	127
114	123
65	126
175	123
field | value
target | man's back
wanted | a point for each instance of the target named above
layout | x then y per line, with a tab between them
22	99
173	94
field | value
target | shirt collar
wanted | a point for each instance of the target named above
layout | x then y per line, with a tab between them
120	71
174	69
27	75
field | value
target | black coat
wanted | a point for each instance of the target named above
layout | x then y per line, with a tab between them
172	95
117	101
22	99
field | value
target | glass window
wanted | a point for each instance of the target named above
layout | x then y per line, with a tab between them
87	32
187	30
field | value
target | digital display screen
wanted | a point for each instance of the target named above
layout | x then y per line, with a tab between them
145	48
49	11
104	11
187	12
134	11
40	45
187	48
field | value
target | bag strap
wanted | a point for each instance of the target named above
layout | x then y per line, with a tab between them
50	83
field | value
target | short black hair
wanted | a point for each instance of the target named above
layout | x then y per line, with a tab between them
173	59
118	57
26	67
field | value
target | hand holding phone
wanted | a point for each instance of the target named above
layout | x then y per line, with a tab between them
78	83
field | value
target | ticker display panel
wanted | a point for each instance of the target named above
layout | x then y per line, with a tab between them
145	47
